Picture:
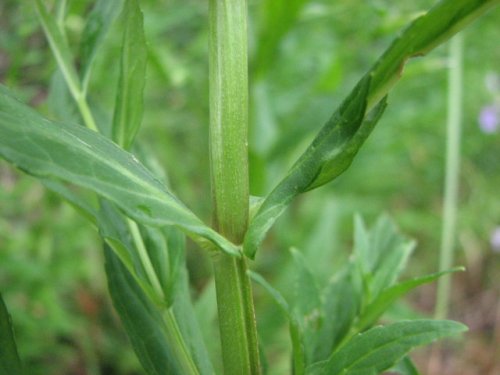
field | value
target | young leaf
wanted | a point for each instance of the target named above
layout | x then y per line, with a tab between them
10	363
330	154
385	299
82	157
379	348
129	98
98	23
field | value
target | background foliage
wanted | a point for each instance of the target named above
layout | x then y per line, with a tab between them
52	274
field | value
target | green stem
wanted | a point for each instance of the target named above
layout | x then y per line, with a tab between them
145	260
182	354
228	78
452	174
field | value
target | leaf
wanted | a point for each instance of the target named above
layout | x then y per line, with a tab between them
154	335
181	337
306	307
98	23
342	304
78	203
385	299
84	158
330	154
186	318
425	33
379	348
311	170
10	363
129	98
381	254
59	48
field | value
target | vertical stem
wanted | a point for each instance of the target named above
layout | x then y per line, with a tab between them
452	174
228	76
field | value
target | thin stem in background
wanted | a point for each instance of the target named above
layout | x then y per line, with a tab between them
454	124
228	78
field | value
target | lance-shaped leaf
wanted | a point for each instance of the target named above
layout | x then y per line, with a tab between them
157	338
420	37
9	358
82	157
380	348
330	154
98	23
129	98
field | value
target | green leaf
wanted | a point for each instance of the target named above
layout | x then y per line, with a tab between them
379	348
78	203
84	158
154	334
385	299
306	306
60	48
330	154
98	23
129	98
342	303
10	363
182	337
381	254
425	33
312	170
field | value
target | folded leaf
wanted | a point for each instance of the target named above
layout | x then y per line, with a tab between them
9	358
129	97
379	348
330	154
82	157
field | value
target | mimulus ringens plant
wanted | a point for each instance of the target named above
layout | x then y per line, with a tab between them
143	224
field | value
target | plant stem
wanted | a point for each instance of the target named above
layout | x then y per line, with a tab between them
228	76
452	174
